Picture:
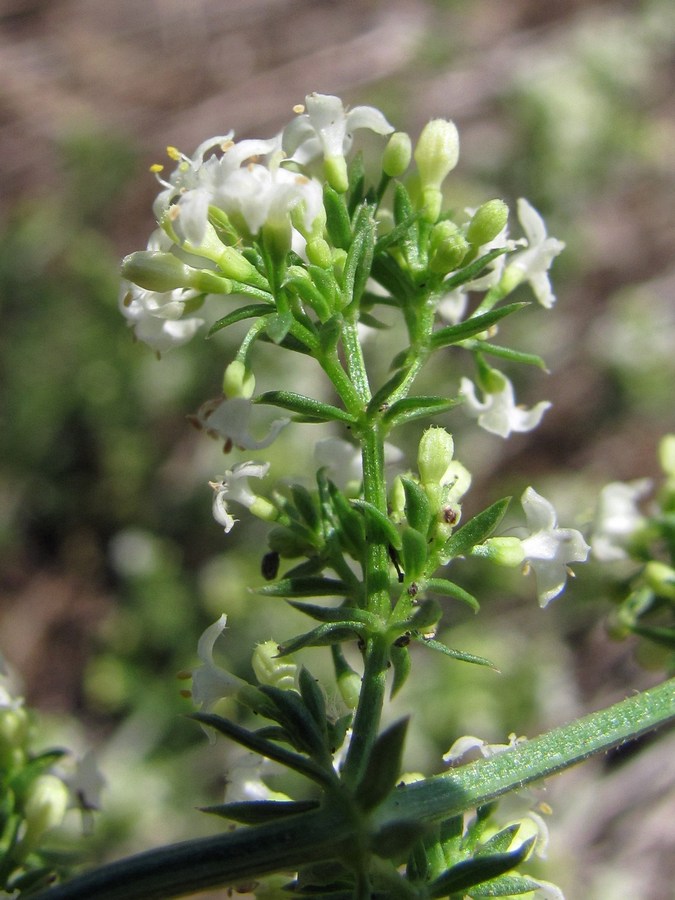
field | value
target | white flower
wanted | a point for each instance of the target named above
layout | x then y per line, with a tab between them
229	418
233	485
549	549
617	518
86	783
156	317
498	412
533	263
210	682
244	780
469	743
196	182
326	129
255	195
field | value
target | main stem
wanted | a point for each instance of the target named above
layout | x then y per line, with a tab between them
376	582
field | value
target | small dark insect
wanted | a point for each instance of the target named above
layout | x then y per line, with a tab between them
269	565
403	640
450	515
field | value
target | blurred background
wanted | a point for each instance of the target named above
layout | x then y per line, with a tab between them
111	564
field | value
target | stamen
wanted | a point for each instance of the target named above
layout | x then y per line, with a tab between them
299	108
174	153
156	167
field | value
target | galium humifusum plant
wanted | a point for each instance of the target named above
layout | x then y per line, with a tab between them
292	235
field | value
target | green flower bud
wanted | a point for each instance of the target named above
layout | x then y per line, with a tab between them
397	154
44	809
263	509
238	381
397	501
319	253
436	155
434	454
271	669
14	725
234	265
491	380
661	579
155	270
349	685
447	248
486	223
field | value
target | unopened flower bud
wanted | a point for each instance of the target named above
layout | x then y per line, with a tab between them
397	501
397	154
434	454
436	155
486	223
349	685
272	669
234	265
661	579
447	248
319	253
155	270
491	380
44	808
238	381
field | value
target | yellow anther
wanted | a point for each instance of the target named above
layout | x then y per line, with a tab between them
174	212
226	145
156	167
173	153
299	108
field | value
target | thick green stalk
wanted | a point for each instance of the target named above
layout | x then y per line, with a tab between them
376	584
248	853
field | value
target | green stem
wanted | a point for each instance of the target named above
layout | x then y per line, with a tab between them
248	853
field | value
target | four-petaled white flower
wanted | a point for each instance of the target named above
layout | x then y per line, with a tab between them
618	518
156	317
325	129
210	682
229	418
549	549
532	264
498	412
233	485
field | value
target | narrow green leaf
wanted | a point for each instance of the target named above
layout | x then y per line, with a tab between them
460	655
383	768
360	255
379	399
395	839
259	812
449	589
338	224
417	507
247	739
307	406
379	527
409	408
400	660
470	872
308	586
413	553
517	356
476	530
293	714
499	842
278	326
473	270
252	311
338	614
505	886
314	700
324	636
452	334
306	506
658	634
